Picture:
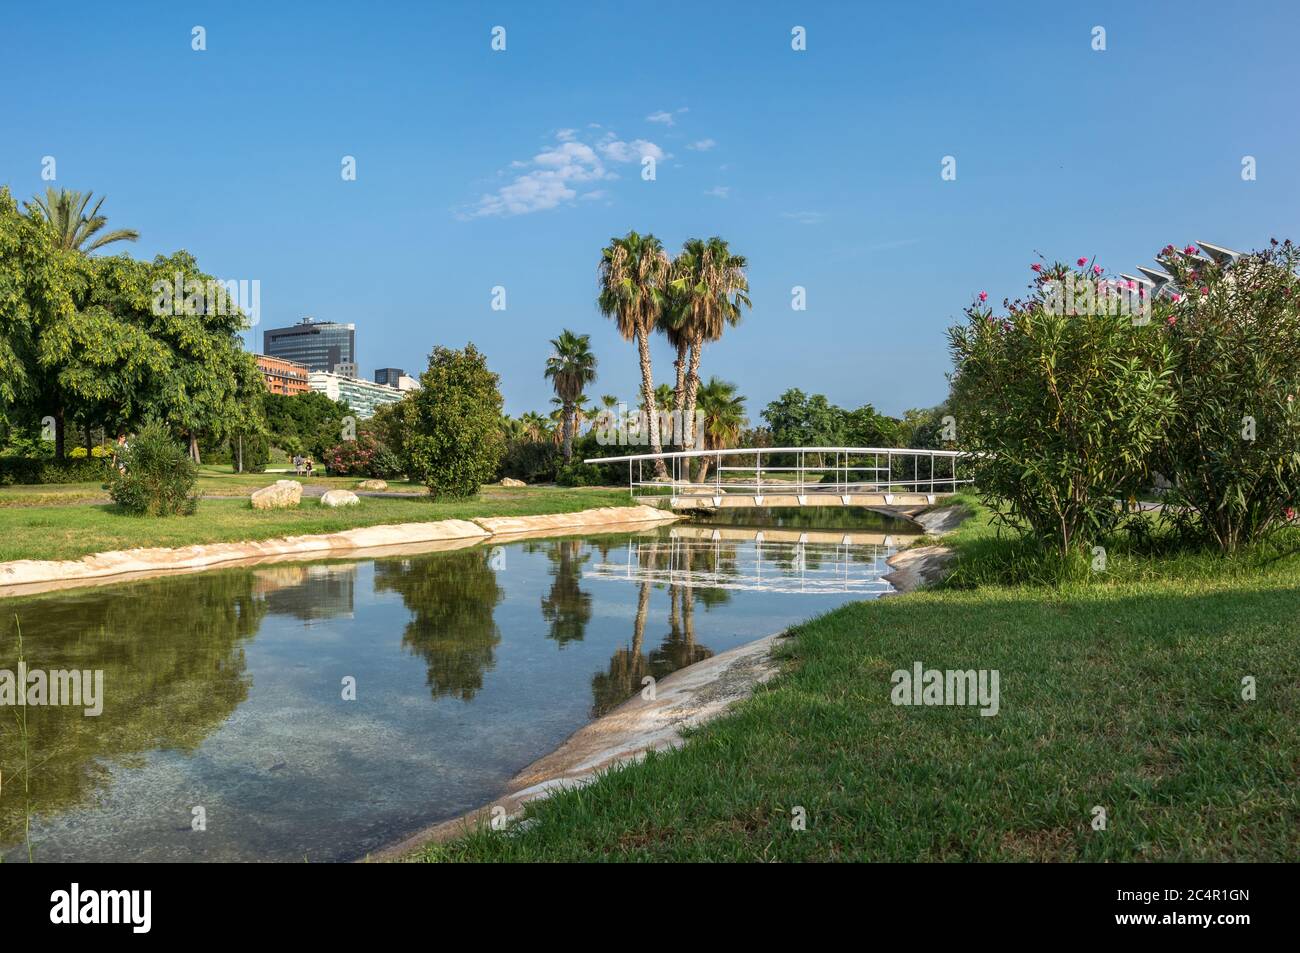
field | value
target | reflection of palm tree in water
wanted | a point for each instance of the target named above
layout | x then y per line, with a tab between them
629	666
566	607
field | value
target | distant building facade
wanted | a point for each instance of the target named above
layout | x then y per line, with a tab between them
396	377
321	345
281	376
362	396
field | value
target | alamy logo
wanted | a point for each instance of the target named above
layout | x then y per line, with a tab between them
36	687
922	686
103	906
213	297
1096	297
622	428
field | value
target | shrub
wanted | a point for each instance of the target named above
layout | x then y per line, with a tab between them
47	470
533	461
365	456
454	440
158	476
1062	410
1234	453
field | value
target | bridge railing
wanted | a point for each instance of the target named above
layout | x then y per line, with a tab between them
800	471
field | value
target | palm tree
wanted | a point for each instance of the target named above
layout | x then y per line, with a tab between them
534	426
634	275
570	369
714	282
724	418
65	209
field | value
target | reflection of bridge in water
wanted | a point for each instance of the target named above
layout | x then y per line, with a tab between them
882	478
764	560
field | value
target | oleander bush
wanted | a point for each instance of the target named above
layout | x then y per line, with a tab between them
1234	451
156	476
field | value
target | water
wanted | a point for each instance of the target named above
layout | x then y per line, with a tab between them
224	691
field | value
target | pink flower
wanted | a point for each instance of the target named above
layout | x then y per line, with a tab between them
1171	320
1289	513
1096	269
1189	250
1204	290
1177	298
984	296
1036	267
1081	262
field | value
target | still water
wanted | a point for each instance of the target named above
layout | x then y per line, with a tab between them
224	691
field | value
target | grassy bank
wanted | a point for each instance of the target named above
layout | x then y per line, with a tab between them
68	532
1120	689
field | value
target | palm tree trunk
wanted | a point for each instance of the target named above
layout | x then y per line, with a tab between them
568	430
679	392
648	398
638	626
692	391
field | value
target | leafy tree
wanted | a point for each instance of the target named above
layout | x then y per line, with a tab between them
65	210
571	368
799	420
1234	452
35	292
455	442
308	423
1063	412
634	275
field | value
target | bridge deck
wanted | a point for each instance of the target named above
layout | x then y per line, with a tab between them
769	477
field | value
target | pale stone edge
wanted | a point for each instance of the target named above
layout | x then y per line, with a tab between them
24	576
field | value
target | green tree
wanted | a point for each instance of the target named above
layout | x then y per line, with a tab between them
454	442
65	210
634	275
1234	453
571	368
1063	412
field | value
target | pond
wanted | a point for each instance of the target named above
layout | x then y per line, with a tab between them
227	695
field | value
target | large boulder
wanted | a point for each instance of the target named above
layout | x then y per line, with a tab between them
339	498
507	481
281	494
372	485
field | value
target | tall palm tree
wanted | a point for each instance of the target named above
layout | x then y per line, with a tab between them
65	209
714	282
724	418
571	368
634	274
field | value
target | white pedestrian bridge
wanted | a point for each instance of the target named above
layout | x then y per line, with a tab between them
883	478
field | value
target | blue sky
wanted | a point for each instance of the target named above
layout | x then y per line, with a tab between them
478	168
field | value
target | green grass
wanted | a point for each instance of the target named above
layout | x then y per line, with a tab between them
1120	689
68	532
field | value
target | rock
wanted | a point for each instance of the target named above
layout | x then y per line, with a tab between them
507	481
339	498
372	485
281	494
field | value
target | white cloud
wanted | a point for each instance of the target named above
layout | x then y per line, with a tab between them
719	191
806	218
702	145
663	117
551	178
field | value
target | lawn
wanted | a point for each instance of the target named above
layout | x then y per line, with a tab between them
1121	690
70	531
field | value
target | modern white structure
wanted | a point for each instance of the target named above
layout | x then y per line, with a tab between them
362	396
